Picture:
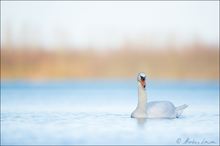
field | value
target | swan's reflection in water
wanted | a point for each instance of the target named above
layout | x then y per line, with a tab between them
141	122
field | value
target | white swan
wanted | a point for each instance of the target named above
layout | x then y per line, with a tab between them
155	109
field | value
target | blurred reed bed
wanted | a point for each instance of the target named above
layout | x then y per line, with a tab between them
197	62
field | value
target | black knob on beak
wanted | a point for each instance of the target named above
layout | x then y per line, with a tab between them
142	78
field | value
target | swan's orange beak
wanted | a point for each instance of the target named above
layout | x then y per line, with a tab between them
143	83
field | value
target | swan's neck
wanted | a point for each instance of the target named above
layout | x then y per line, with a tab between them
142	97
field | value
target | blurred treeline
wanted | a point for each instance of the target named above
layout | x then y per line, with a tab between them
194	61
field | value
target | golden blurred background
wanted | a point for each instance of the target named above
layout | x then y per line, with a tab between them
195	62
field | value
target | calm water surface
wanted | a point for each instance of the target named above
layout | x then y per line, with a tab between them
98	112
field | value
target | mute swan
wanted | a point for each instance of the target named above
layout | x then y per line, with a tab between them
155	109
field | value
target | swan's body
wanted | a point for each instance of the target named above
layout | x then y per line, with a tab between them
155	109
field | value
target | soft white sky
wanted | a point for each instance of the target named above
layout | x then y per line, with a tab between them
109	23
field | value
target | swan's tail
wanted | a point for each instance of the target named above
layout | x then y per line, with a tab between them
179	110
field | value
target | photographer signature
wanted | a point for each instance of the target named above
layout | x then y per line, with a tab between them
194	141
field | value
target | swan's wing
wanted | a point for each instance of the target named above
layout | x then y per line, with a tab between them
161	109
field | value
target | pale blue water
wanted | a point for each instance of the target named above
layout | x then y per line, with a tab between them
98	112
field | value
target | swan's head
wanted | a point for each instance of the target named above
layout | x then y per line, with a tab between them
141	78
